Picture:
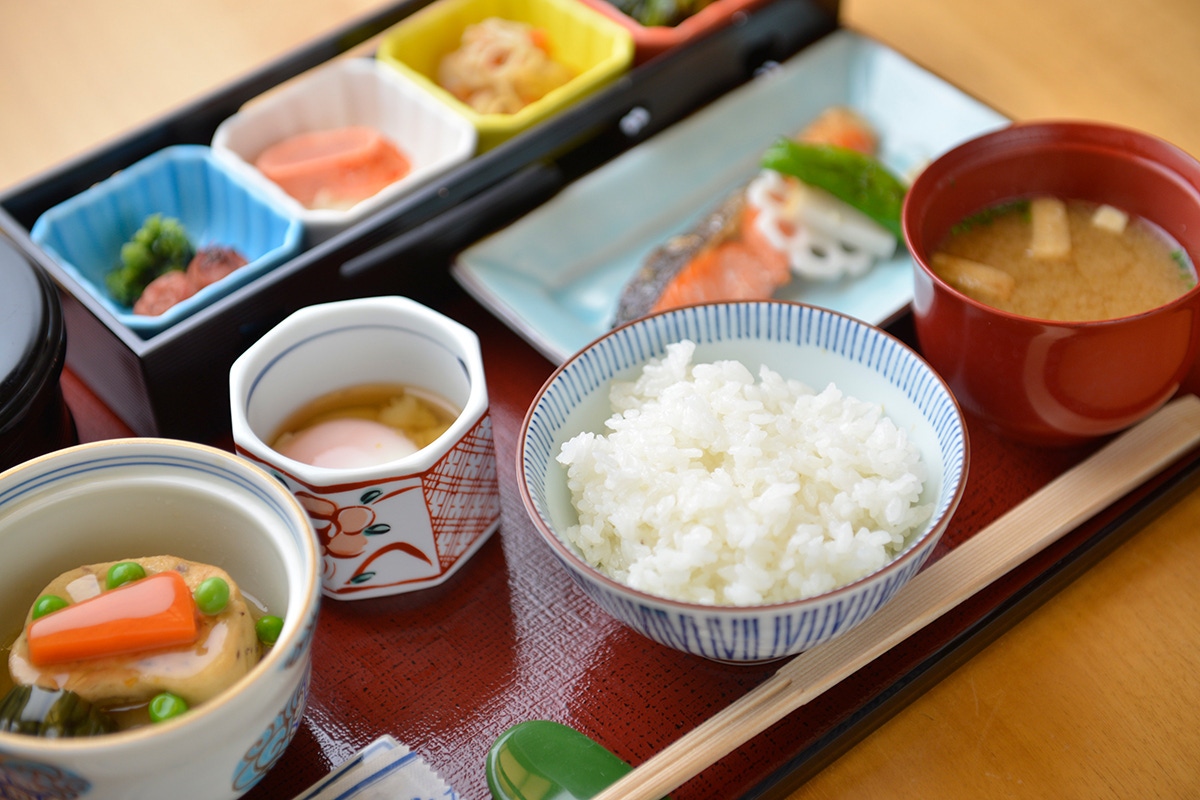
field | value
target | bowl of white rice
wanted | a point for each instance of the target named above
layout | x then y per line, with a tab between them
743	481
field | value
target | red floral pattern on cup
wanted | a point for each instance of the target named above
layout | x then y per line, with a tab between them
343	530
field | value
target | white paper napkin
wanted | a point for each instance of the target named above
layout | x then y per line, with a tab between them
383	770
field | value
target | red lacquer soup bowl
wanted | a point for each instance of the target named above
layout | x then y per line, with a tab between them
1051	382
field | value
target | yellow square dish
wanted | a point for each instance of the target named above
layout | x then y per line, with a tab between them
596	49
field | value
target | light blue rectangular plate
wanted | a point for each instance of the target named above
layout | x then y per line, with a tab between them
554	276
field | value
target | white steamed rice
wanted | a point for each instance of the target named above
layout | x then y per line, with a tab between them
712	487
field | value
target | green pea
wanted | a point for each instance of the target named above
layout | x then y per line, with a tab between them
123	572
268	629
212	595
47	604
165	706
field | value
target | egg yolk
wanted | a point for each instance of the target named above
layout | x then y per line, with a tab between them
347	444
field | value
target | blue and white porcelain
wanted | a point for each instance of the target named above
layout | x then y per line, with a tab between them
219	203
127	498
807	343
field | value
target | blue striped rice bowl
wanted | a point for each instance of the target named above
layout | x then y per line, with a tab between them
801	342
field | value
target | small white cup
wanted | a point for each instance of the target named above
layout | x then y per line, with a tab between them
400	526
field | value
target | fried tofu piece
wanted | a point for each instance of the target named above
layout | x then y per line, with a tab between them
980	281
1110	219
225	649
1051	234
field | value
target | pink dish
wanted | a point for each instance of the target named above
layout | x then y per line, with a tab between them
1048	382
651	41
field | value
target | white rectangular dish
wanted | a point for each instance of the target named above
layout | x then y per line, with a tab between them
343	93
555	275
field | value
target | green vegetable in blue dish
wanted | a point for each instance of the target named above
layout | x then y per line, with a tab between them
159	246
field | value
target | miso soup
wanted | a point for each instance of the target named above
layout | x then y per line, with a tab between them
364	425
1063	260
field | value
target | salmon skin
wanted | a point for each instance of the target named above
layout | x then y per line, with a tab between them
666	261
723	257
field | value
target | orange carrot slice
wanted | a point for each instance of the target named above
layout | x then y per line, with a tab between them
155	612
540	39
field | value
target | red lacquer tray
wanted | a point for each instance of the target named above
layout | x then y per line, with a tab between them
510	637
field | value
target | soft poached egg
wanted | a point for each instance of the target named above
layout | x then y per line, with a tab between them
347	444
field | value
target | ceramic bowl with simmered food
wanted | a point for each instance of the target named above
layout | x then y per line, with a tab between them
743	481
159	600
1055	276
168	235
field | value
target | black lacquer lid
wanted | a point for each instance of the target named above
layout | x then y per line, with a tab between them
32	342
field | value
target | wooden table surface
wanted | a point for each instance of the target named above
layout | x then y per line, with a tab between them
1093	695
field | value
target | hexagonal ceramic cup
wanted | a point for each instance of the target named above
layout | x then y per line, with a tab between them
409	523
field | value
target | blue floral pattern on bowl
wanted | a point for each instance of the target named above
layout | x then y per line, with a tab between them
22	779
270	746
